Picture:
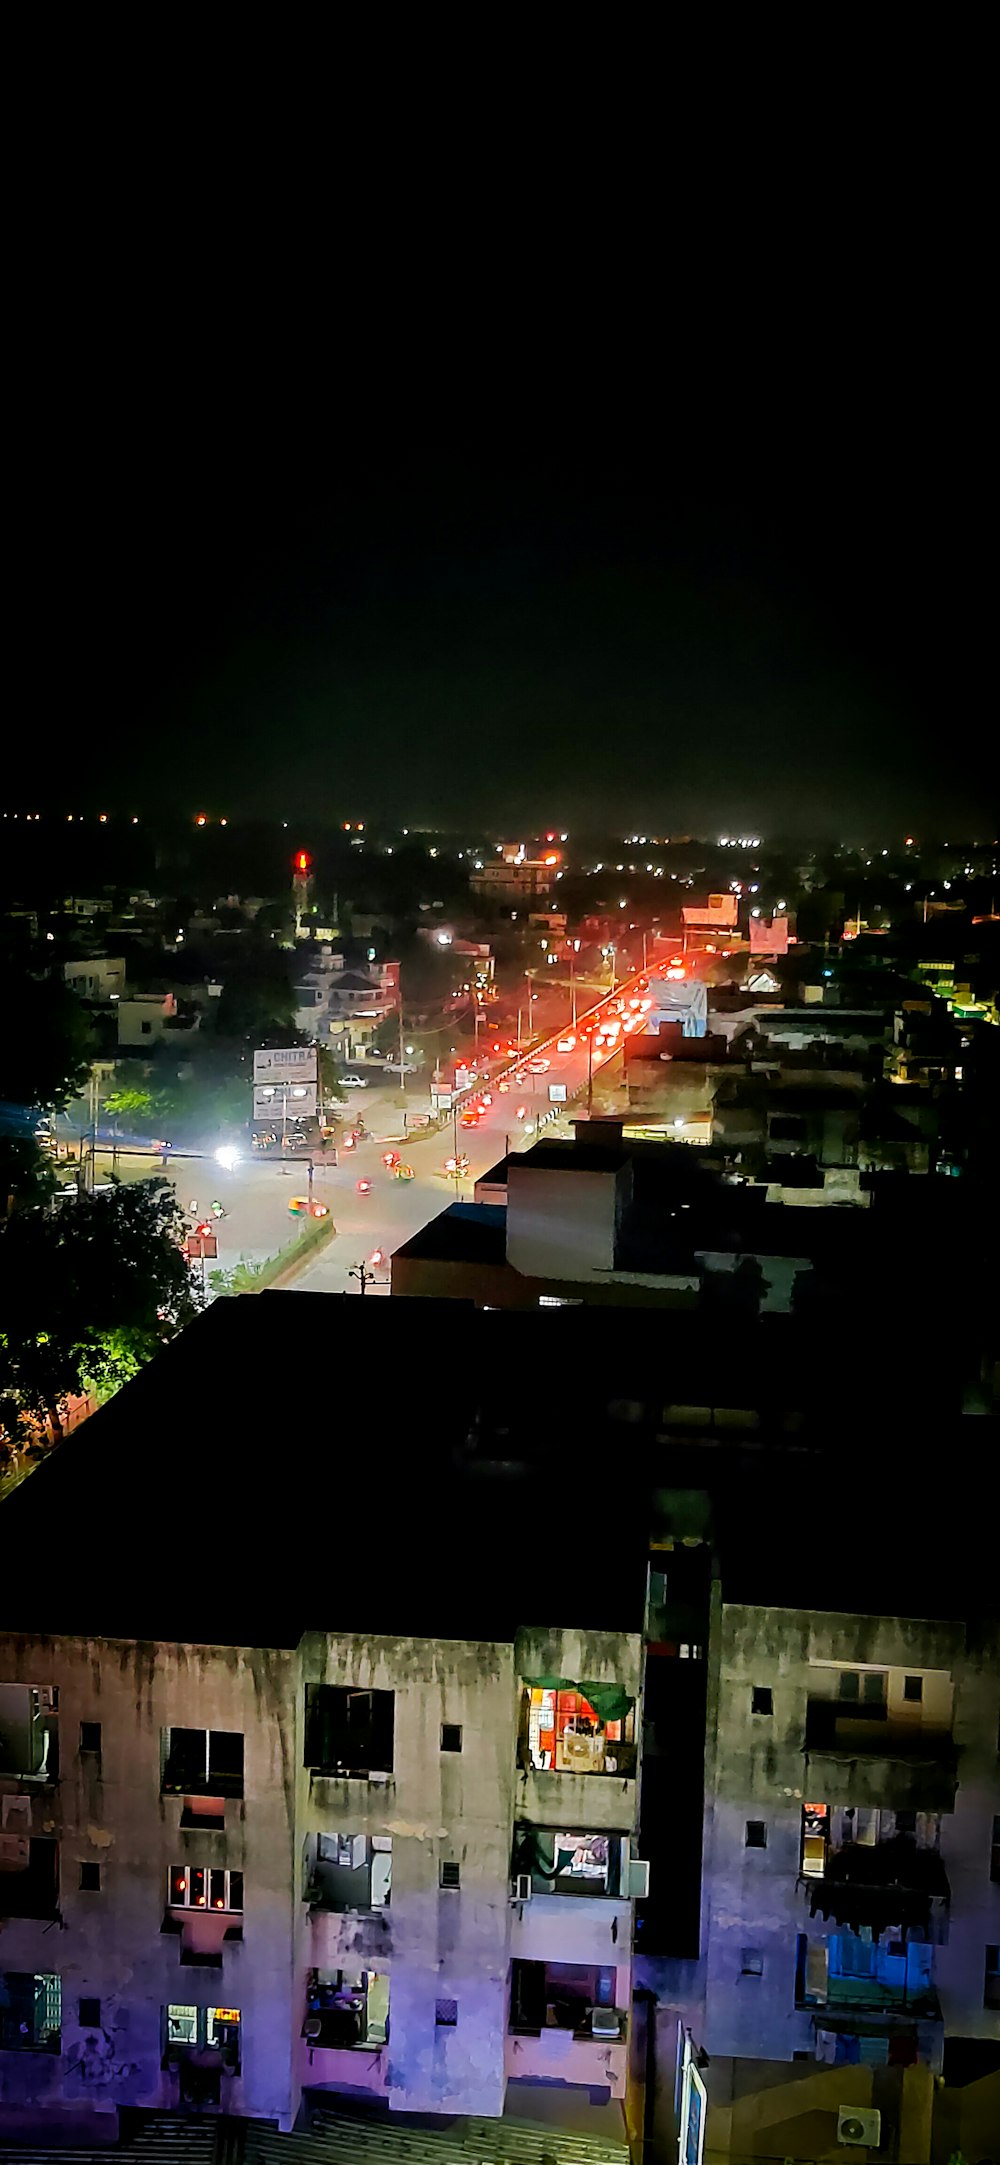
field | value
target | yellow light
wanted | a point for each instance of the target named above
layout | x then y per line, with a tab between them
201	820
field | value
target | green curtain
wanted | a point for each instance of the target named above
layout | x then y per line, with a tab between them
609	1701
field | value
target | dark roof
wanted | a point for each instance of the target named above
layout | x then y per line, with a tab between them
464	1233
577	1157
318	1442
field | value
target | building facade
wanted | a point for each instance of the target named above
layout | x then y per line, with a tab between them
233	1877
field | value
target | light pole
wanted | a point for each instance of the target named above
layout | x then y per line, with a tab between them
590	1073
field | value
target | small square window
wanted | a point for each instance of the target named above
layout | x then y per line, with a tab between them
90	1879
90	1736
449	1875
751	1962
90	2014
873	1687
762	1699
451	1736
756	1834
913	1687
850	1684
445	2014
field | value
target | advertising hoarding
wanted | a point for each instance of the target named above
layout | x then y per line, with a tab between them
719	910
291	1064
284	1101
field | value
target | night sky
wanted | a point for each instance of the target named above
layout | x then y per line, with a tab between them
651	538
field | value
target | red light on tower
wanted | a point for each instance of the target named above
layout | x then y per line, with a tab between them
302	860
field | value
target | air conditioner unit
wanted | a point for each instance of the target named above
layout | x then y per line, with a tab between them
859	2126
638	1878
522	1887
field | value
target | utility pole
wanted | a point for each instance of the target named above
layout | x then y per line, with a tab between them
572	987
402	1064
590	1073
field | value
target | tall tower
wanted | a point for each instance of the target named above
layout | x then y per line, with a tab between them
301	886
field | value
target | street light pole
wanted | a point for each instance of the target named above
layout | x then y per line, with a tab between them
590	1073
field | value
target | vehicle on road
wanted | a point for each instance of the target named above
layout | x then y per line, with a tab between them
364	1187
392	1067
539	1067
390	1159
471	1117
403	1172
566	1044
354	1082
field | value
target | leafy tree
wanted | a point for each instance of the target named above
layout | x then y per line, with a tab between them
53	1034
128	1101
259	1008
87	1294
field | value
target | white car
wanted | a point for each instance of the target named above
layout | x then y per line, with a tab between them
539	1067
566	1044
354	1082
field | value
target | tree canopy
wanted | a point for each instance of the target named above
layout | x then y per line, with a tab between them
88	1292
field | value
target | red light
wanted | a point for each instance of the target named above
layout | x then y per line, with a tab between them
303	861
201	820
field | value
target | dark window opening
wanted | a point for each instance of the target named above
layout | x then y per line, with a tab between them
850	1684
995	1854
31	1889
450	1875
991	1982
445	2014
762	1699
29	1731
89	2014
348	1872
751	1962
90	1879
204	1763
348	1733
90	1736
451	1736
913	1688
756	1834
564	1996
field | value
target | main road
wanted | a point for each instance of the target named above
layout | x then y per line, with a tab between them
391	1211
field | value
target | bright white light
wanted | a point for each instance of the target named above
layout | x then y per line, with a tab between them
227	1156
678	1123
444	939
755	913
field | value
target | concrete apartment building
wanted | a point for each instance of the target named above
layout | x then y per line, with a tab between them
245	1868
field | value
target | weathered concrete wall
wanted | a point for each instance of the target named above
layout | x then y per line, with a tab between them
752	1896
561	1224
109	1811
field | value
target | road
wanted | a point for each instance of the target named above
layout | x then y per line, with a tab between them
255	1195
393	1211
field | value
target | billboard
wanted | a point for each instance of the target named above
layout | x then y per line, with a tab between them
718	911
292	1064
284	1101
769	936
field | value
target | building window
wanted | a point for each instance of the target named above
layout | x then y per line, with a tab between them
751	1962
90	1879
867	1686
29	1730
913	1688
348	1733
991	1983
197	1886
445	2014
30	2011
762	1699
756	1834
567	1863
449	1874
203	1763
89	2012
570	1733
146	1029
90	1736
214	2027
451	1736
349	1872
995	1854
815	1835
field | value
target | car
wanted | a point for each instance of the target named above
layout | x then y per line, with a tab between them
539	1067
355	1082
470	1119
392	1067
566	1044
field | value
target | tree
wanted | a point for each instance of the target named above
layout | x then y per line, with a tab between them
259	1008
52	1033
128	1101
87	1295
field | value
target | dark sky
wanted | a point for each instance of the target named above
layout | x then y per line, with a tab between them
555	513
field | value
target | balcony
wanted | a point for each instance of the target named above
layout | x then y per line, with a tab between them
880	1886
564	2025
848	1974
576	1756
345	2029
858	1755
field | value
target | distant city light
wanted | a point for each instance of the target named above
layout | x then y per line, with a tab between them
201	820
